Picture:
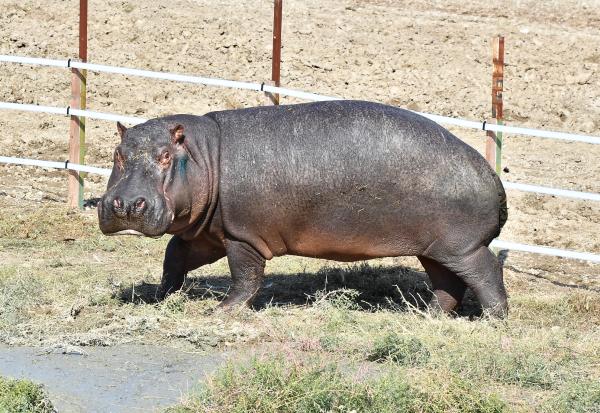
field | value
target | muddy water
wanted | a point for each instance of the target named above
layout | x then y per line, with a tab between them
125	378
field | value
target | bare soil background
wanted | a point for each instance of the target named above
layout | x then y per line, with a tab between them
61	281
428	56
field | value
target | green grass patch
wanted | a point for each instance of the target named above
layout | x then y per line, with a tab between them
576	397
23	396
280	385
402	350
522	366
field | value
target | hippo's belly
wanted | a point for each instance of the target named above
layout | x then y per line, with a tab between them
358	222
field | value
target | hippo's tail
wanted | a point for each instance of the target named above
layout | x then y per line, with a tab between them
503	213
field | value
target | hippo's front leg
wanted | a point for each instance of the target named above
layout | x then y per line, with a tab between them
247	268
183	256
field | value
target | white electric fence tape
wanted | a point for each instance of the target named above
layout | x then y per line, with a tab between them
545	250
106	116
515	130
55	165
289	92
34	61
200	80
65	111
551	191
33	108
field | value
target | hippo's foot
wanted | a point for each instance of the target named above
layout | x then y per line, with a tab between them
181	257
239	299
443	302
164	291
481	271
247	269
448	289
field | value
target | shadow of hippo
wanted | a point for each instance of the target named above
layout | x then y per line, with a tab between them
377	287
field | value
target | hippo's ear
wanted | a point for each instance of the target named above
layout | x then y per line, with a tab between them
121	130
177	135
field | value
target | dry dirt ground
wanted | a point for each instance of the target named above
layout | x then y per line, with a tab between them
429	56
79	287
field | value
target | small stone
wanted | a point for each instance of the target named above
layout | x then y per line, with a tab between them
582	78
76	308
588	126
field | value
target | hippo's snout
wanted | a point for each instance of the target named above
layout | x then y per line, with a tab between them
119	214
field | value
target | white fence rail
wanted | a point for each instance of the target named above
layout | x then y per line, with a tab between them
66	111
565	193
55	165
261	87
536	249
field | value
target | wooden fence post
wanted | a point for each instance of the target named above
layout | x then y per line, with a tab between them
276	61
493	150
77	127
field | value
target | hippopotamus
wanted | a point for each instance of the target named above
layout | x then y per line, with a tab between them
340	180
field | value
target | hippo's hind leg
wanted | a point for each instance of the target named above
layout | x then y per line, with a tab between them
448	289
183	256
247	268
481	271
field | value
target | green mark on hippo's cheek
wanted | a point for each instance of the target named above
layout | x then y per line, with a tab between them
182	165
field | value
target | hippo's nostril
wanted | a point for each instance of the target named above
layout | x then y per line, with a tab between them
117	203
140	204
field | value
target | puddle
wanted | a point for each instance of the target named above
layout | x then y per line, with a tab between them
124	378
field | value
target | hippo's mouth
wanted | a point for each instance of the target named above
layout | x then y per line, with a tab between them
128	232
134	233
153	224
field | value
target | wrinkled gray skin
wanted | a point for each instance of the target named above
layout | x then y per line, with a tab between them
342	180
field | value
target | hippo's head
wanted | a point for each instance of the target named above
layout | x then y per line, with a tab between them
149	191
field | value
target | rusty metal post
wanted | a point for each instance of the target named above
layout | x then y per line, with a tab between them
276	61
493	150
78	101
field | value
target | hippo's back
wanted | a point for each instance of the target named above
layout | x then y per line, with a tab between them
349	179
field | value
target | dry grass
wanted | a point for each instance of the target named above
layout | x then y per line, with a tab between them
61	282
